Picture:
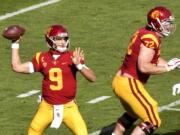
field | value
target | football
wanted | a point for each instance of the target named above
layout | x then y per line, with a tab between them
13	32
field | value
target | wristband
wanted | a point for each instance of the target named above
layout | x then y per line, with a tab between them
79	66
15	45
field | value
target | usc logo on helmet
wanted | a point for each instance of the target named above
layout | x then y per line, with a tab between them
48	31
155	14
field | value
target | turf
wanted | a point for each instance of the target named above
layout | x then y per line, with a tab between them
102	28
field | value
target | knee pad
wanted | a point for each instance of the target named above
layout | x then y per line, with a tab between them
126	120
147	127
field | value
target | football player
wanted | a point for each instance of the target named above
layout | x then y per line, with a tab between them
58	66
143	59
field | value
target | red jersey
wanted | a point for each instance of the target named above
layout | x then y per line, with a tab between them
147	38
59	82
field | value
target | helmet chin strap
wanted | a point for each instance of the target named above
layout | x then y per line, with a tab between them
61	49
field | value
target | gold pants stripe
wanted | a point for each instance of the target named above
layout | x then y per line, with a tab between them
143	101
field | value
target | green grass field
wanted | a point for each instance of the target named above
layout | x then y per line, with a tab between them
102	28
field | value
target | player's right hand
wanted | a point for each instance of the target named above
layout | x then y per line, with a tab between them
15	43
18	40
173	64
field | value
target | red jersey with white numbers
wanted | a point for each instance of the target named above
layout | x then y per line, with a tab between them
59	82
147	38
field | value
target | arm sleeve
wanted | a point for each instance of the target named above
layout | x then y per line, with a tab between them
36	62
150	41
31	67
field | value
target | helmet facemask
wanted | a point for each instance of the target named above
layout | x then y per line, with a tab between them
167	27
62	47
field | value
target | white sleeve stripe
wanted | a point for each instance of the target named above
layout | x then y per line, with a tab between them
31	67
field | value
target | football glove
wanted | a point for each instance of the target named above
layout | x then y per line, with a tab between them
173	64
176	89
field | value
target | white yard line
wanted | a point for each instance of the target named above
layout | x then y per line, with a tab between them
166	107
96	132
99	99
161	109
173	109
21	11
27	94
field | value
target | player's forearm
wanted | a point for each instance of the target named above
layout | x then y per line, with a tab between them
152	69
17	66
88	74
15	59
161	62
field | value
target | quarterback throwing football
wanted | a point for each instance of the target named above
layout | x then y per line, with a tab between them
59	67
142	60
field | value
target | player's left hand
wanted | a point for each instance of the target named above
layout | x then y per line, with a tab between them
176	89
78	56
